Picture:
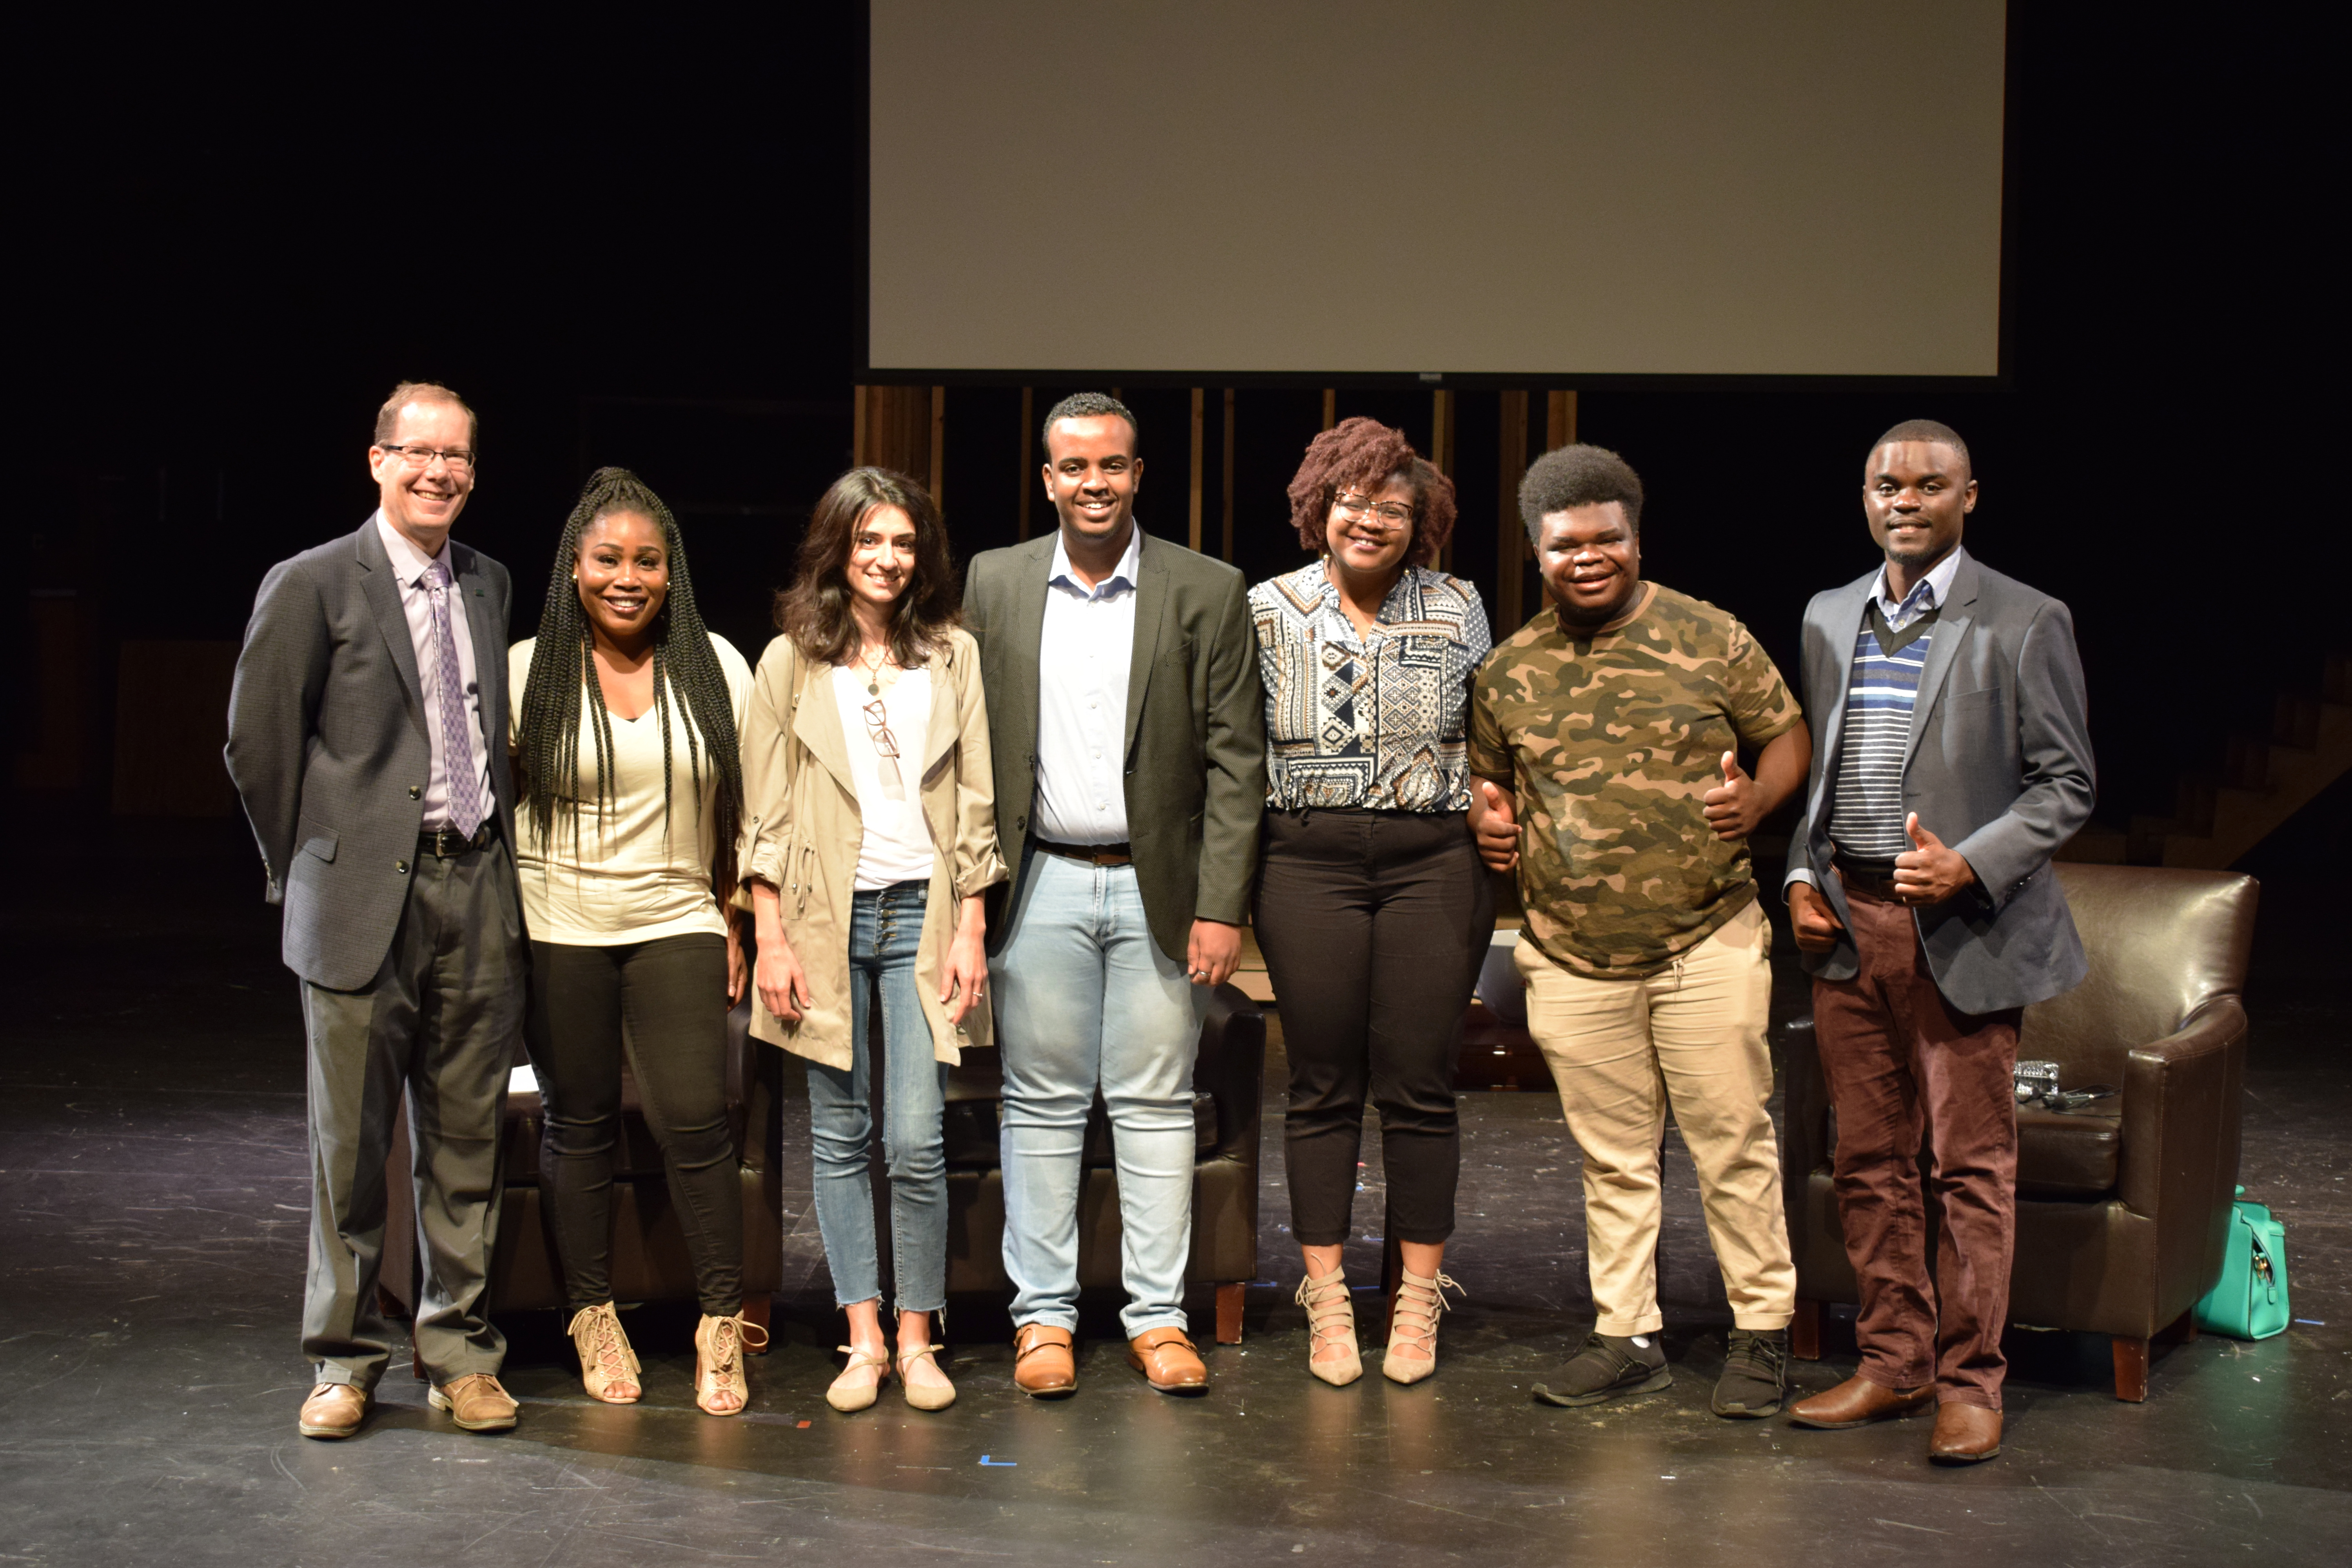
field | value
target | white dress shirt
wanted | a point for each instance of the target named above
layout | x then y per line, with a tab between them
1082	673
408	565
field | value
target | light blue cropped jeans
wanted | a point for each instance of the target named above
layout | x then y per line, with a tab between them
885	927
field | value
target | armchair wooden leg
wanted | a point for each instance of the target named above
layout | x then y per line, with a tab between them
1228	1312
2131	1368
416	1363
388	1305
2181	1331
757	1307
1805	1331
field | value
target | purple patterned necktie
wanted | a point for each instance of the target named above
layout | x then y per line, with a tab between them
457	740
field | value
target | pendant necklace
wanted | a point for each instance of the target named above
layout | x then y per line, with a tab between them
874	676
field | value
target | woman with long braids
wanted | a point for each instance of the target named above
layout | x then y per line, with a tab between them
872	832
626	717
1372	910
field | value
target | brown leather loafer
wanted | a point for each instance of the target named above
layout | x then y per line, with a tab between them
1167	1360
1858	1402
476	1403
1045	1362
1964	1435
333	1410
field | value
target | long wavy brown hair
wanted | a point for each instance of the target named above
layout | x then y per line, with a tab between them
814	611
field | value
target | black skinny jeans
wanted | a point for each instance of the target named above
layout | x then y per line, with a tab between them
1375	924
664	1003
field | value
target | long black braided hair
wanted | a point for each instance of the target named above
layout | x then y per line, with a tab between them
563	681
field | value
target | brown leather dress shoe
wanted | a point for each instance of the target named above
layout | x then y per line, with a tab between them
1858	1402
1964	1435
476	1403
1045	1362
333	1410
1167	1361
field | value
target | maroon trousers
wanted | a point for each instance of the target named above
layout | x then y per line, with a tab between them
1905	1068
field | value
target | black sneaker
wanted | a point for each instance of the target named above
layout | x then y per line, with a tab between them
1607	1366
1755	1373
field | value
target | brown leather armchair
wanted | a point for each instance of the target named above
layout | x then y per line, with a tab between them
2122	1210
1226	1084
649	1261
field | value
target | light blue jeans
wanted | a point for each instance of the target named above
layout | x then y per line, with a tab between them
1084	999
885	926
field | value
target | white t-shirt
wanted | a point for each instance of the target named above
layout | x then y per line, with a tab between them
628	880
897	845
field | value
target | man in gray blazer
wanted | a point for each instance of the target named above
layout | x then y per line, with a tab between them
1128	730
367	737
1955	760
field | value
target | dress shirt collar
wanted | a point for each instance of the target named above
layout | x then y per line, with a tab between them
1938	584
1123	577
408	563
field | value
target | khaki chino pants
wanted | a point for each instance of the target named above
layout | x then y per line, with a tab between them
1623	1052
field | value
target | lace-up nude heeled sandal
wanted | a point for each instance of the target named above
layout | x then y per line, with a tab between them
850	1397
719	1346
924	1398
607	1365
1331	1321
1413	1328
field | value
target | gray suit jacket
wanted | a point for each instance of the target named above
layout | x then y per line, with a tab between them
1997	766
1195	758
328	745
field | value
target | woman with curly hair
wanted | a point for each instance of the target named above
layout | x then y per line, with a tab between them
626	715
870	839
1372	910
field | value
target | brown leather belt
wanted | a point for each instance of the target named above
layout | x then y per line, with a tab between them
1875	878
447	843
1092	854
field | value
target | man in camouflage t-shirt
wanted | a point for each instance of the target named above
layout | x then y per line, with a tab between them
1608	731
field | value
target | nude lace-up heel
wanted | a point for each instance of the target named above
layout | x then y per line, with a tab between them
1330	1321
1412	1329
719	1346
607	1365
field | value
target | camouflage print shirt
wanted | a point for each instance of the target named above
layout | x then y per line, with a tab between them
1611	739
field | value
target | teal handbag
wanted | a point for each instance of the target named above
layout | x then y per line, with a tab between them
2249	1300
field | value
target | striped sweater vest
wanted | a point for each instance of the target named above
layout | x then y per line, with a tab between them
1866	808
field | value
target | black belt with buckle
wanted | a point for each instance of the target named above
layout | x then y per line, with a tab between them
447	843
1874	877
1092	854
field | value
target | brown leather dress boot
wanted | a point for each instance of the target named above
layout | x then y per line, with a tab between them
1964	1435
1045	1361
1858	1402
1167	1361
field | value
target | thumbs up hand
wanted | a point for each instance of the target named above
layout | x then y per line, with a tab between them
1732	807
1493	824
1929	871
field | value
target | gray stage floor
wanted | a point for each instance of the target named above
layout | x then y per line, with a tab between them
152	1220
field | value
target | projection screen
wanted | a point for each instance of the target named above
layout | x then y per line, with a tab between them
1288	188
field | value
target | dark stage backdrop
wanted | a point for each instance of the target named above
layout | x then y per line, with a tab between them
640	245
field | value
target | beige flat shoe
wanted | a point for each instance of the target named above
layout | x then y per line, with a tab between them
923	1398
608	1367
719	1388
1331	1321
851	1397
1412	1329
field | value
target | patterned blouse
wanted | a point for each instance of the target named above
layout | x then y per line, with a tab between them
1369	723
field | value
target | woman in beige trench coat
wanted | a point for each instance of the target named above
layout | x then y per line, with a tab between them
868	837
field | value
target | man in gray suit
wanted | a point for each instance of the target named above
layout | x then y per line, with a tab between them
1955	760
367	735
1128	730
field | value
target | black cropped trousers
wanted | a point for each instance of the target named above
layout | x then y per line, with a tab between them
665	1003
1375	924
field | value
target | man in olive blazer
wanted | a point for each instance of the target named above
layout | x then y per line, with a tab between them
1128	727
367	739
